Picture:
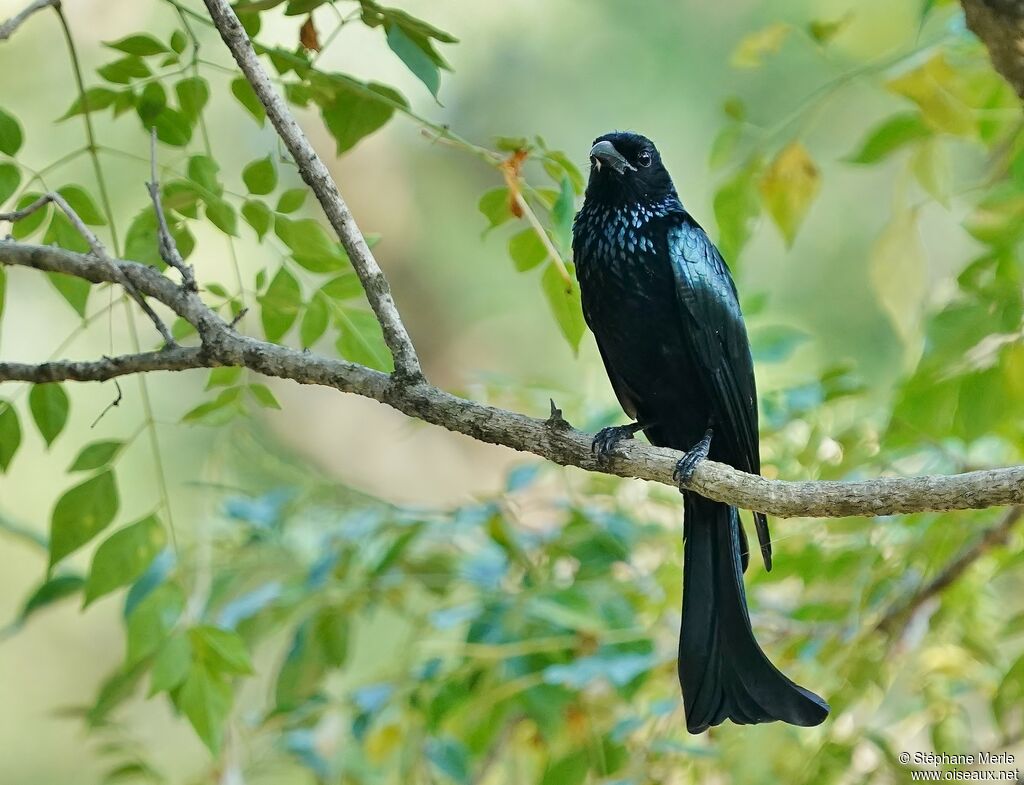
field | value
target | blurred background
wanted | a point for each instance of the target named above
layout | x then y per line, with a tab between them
842	323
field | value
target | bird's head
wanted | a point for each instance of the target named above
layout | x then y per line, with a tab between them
626	167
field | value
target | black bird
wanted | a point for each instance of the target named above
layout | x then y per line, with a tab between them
660	300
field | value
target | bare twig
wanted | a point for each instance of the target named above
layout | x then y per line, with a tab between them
168	248
552	438
98	250
900	612
112	405
7	28
317	176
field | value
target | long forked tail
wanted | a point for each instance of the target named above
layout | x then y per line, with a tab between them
723	672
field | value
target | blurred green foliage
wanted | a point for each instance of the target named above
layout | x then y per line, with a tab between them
529	636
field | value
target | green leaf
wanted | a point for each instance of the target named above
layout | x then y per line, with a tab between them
788	186
570	770
206	700
894	133
562	213
221	409
264	397
360	339
152	101
258	216
220	651
411	52
897	269
224	377
96	456
53	590
280	305
566	167
193	94
291	200
754	47
310	244
126	69
823	31
79	200
243	91
10	179
356	110
451	758
61	232
565	305
343	287
152	620
222	215
142	45
30	224
736	207
123	557
178	41
173	127
494	205
49	405
172	664
314	321
10	134
260	177
74	290
526	249
203	171
724	145
10	434
93	100
116	689
81	513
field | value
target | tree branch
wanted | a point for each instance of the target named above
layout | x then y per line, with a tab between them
318	178
995	535
7	28
1000	26
552	438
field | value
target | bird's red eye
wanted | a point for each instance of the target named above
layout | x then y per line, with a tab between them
644	159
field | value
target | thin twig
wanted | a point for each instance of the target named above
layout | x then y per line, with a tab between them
7	28
98	250
168	248
900	612
317	176
113	404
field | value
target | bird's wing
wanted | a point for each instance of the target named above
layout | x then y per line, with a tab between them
717	338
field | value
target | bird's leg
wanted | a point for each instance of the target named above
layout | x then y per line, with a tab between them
607	439
688	463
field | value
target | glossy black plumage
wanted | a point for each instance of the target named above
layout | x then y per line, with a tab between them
663	307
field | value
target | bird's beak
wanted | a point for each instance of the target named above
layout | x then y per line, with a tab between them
604	152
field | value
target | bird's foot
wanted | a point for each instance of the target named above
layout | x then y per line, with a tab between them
687	465
607	439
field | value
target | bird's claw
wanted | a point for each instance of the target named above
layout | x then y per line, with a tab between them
607	439
687	465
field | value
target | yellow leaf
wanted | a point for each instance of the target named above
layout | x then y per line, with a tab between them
752	49
383	741
930	165
933	87
897	271
788	186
